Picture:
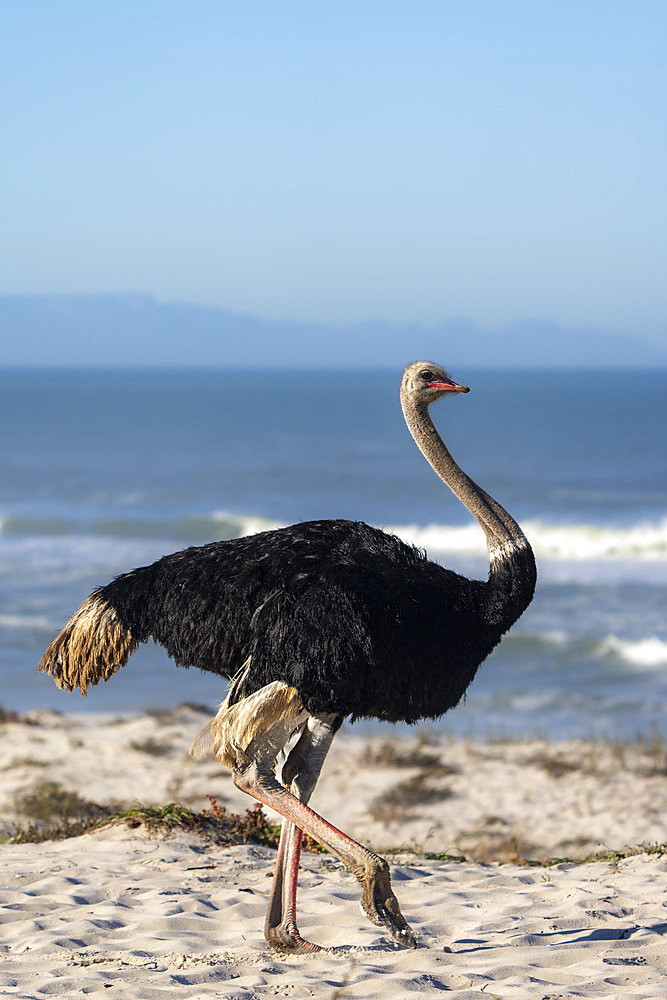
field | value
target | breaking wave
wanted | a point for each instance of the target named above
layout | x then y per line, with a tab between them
574	542
648	653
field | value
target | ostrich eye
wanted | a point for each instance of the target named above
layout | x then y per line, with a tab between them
427	375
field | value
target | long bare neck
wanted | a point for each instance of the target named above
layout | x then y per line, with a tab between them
513	573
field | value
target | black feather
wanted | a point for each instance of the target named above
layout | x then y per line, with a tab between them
356	620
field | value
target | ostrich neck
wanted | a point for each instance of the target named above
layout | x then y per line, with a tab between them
513	574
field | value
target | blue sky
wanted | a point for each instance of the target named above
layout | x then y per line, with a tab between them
342	161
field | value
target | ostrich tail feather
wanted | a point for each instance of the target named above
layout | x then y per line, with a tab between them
91	647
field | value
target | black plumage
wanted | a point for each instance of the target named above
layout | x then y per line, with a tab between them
357	621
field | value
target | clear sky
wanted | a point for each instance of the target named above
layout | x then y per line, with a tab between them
343	160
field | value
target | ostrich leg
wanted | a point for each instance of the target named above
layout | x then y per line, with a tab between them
257	779
280	929
300	773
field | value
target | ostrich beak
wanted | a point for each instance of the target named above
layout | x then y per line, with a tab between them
448	386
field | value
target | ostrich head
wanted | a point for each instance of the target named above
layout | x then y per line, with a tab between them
424	381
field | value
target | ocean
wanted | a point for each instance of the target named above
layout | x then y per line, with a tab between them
108	470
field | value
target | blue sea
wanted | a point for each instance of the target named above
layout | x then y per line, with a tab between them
107	470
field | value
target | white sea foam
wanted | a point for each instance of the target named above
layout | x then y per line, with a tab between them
467	539
573	542
648	653
589	541
645	541
245	524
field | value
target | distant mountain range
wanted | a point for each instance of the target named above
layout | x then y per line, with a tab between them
137	330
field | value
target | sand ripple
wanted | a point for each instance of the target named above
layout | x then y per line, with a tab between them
146	916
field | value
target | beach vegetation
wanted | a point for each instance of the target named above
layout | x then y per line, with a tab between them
394	753
504	848
9	715
656	752
166	716
151	746
58	813
402	799
48	801
26	762
555	765
443	856
513	852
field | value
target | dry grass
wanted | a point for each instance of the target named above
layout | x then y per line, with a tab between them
643	756
404	797
512	850
390	753
151	746
25	762
556	765
169	715
58	813
8	715
55	812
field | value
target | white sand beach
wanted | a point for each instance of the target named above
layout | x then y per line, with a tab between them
132	914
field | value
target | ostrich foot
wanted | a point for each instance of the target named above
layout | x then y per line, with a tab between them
380	904
286	939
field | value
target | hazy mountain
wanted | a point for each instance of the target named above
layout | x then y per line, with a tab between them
137	330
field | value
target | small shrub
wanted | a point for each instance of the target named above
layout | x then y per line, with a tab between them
391	753
555	765
77	816
26	762
8	715
49	801
402	799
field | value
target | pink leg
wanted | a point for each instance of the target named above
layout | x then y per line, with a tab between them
280	928
378	900
300	774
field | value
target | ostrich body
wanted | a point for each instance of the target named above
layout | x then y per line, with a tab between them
314	623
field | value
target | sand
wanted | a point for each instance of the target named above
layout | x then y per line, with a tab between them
127	914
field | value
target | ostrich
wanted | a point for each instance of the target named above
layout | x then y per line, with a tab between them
314	623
